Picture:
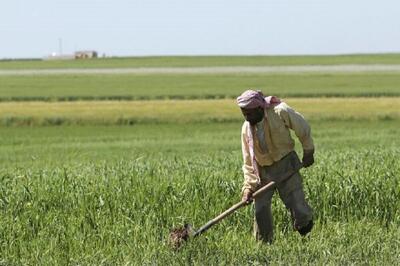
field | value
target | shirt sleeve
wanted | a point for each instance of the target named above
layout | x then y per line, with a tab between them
297	123
250	178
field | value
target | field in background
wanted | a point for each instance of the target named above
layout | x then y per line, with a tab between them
194	86
64	145
200	61
185	111
103	181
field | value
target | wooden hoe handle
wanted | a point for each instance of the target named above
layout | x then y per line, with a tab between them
238	206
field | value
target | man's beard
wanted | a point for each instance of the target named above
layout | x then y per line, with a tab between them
257	119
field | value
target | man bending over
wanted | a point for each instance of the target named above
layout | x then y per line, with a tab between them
268	155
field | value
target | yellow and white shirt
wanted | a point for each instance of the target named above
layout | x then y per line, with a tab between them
272	139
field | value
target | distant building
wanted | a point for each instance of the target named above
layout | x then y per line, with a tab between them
85	54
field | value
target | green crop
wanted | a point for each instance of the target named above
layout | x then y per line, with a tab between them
200	61
72	195
102	182
194	86
185	111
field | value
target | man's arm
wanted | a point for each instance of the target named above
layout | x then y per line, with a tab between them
250	179
299	125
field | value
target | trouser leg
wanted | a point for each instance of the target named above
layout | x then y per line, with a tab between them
263	221
292	194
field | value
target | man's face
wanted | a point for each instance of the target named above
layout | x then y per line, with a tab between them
254	115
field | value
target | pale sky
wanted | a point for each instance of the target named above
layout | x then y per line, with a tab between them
33	28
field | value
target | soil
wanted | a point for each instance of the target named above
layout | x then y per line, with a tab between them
178	236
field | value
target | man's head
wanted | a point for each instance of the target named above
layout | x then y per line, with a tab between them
252	104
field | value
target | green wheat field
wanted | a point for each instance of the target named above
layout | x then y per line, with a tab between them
97	169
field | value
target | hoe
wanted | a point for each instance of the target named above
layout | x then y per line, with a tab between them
179	235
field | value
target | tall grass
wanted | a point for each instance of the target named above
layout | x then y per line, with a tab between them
122	212
109	195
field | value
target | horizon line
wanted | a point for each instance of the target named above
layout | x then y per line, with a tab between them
209	55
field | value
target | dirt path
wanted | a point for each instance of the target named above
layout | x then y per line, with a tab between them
210	70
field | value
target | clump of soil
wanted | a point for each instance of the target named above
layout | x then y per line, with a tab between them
179	235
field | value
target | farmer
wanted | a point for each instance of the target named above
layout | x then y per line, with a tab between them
268	155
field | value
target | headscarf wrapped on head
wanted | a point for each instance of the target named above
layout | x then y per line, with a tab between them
251	99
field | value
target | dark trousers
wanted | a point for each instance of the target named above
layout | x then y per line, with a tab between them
291	193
